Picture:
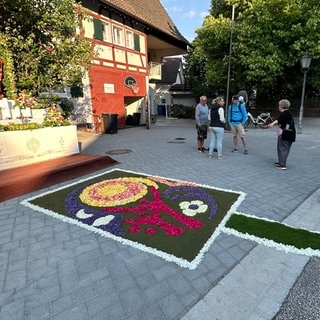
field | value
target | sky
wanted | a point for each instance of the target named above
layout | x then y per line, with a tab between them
187	15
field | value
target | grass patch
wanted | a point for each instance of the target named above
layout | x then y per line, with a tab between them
272	230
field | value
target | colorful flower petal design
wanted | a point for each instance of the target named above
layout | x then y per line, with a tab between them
88	215
184	193
193	207
116	192
81	214
103	221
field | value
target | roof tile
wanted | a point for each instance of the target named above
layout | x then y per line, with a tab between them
150	12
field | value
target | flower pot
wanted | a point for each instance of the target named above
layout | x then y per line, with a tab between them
16	113
38	115
27	113
23	147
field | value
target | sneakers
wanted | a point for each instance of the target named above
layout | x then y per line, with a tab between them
205	149
236	150
280	167
220	157
200	150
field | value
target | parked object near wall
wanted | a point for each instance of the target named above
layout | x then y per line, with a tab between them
136	118
110	123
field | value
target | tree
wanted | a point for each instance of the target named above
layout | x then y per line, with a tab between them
269	38
196	75
42	39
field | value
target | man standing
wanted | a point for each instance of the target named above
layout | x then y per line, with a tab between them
201	117
237	116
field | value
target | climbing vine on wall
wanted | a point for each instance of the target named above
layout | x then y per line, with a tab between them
8	69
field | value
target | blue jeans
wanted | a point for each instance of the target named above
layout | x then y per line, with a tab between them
216	134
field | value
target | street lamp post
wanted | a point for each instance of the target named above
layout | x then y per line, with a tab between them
229	59
305	64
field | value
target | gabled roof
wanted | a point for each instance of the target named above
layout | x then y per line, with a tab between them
170	69
150	12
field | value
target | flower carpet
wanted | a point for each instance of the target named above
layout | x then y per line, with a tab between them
172	219
175	220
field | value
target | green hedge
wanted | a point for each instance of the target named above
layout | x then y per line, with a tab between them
181	111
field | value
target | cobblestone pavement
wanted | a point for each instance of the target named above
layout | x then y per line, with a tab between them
53	270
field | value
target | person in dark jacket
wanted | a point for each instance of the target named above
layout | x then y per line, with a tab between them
286	133
216	126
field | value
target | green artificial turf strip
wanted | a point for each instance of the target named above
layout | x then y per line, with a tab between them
275	231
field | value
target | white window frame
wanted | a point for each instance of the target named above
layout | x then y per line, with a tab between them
117	33
129	39
106	31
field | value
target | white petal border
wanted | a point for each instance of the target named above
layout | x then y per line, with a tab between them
168	257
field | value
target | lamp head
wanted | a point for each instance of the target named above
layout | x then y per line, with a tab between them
305	62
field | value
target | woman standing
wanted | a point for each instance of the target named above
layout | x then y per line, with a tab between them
286	133
216	126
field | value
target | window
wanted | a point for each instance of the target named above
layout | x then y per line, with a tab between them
106	32
129	39
97	27
117	35
76	92
101	30
136	40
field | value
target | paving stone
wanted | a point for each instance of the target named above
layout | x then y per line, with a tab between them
151	310
171	306
62	271
61	304
42	296
69	282
12	310
145	281
157	290
15	280
78	312
132	299
104	286
110	303
39	312
83	293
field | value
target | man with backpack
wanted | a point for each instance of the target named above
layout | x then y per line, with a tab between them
236	117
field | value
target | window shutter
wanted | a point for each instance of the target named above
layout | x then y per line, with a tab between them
136	39
97	25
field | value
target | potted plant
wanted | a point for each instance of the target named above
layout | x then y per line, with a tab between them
24	102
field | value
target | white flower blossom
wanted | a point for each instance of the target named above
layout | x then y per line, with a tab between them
193	207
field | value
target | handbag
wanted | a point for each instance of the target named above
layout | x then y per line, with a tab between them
279	131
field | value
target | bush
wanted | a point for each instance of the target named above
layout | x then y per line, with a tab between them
45	101
67	107
32	125
181	111
20	126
